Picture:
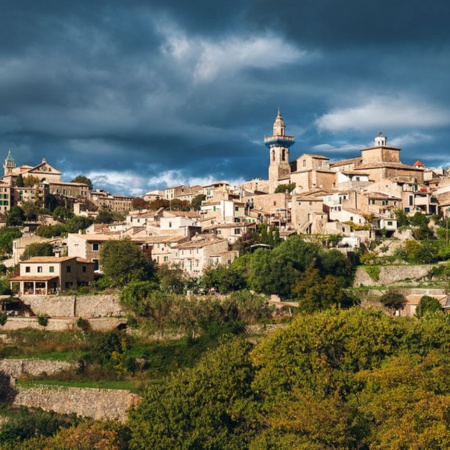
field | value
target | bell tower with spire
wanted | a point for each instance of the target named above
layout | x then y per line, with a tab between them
9	164
278	144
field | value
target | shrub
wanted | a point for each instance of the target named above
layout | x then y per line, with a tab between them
427	304
393	300
42	320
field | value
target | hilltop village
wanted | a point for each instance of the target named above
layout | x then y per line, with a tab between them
280	313
193	227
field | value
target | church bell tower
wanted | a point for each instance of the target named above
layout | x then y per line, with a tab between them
278	144
9	164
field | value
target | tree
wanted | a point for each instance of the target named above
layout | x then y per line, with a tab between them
171	279
77	223
282	188
61	213
139	203
123	261
206	407
88	435
15	217
197	201
30	210
7	235
49	231
37	249
393	300
104	216
85	180
427	304
316	293
135	295
223	278
19	181
30	180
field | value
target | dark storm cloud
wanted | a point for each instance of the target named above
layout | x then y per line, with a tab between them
139	94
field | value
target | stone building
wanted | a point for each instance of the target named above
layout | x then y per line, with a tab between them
279	144
50	274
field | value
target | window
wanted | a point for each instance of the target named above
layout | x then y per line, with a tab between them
351	218
39	269
27	269
237	231
84	269
236	208
68	269
95	247
166	258
51	269
389	222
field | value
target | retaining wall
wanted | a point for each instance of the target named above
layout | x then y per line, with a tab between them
63	324
85	306
34	367
391	274
99	404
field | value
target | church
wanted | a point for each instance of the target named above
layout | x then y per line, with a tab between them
311	171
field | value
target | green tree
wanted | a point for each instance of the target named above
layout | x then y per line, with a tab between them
49	231
207	407
123	261
83	179
19	181
393	300
282	188
77	223
104	216
37	249
30	210
15	217
402	218
196	202
427	304
61	213
31	180
135	296
7	235
172	279
223	278
316	293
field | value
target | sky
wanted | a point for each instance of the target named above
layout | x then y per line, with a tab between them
141	95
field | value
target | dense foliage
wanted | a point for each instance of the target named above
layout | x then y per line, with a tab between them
37	249
352	379
277	271
123	261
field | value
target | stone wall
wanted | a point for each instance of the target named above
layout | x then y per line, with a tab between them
62	324
33	367
391	274
85	306
99	404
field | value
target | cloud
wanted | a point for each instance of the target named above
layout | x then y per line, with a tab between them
176	177
337	148
410	139
208	59
126	182
385	112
